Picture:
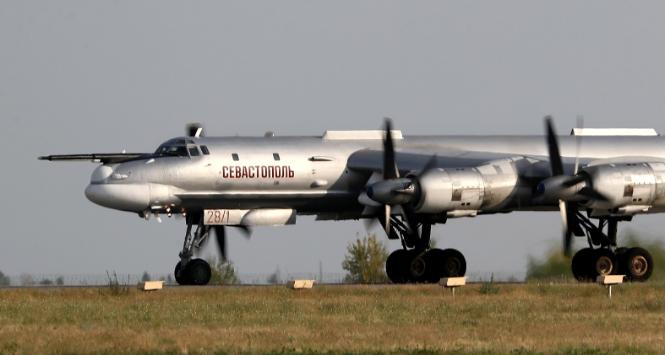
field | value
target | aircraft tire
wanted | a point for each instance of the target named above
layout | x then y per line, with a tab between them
396	265
198	272
417	266
435	260
638	264
581	265
180	274
603	262
621	260
453	263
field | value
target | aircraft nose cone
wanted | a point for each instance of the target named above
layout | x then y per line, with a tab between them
124	197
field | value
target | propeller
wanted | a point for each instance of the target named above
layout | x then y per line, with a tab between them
568	208
194	130
393	191
220	237
389	170
219	232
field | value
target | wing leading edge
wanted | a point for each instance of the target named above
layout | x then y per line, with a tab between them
105	158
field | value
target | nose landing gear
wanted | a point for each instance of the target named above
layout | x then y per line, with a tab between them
196	272
190	271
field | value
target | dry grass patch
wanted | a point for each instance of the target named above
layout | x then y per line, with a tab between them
532	318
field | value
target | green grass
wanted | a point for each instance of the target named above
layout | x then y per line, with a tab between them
520	319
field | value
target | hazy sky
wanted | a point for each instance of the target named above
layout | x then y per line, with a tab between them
103	76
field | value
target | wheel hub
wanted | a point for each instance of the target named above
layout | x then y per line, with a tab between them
452	266
418	267
639	265
604	265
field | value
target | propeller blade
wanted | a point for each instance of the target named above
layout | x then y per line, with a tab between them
578	141
220	235
573	221
386	218
553	148
592	194
246	231
567	234
389	164
431	164
574	180
410	219
369	223
571	225
194	130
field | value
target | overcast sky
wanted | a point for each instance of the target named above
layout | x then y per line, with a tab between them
103	76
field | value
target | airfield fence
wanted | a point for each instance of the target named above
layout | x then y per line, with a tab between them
36	280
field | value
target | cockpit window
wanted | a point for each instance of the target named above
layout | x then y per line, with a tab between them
205	150
174	148
193	151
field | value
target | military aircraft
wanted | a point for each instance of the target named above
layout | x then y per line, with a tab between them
596	178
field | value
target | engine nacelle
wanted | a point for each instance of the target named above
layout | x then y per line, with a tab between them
629	184
470	189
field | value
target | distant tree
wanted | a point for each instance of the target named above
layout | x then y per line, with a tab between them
145	277
223	272
554	265
46	282
60	280
275	277
4	279
365	261
26	280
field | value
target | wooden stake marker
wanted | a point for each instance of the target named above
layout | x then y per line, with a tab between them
609	281
151	285
452	283
300	284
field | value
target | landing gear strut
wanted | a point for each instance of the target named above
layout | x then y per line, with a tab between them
417	262
602	257
190	271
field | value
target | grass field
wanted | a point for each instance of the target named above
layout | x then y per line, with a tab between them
532	318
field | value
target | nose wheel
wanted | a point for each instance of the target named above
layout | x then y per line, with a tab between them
196	272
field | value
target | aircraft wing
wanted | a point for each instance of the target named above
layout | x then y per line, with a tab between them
105	158
530	166
372	160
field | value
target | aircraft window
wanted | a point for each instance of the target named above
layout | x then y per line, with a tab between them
193	152
175	141
275	156
235	156
172	149
205	150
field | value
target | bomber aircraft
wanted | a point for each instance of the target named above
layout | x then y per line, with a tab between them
596	178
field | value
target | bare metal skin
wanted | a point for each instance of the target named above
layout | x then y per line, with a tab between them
245	181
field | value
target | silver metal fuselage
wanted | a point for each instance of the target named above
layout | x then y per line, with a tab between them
325	177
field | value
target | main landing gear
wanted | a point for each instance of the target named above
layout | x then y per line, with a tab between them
417	262
190	271
602	257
